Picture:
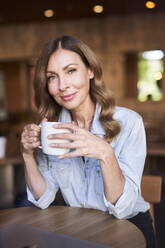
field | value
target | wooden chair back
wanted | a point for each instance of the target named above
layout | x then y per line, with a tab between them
151	187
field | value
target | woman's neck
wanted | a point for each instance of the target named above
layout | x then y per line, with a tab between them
84	117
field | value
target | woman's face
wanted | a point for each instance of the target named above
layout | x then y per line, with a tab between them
68	79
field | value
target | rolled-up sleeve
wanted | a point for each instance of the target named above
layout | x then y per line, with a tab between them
131	160
51	185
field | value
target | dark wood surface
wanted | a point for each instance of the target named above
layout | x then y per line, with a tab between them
11	161
93	225
156	149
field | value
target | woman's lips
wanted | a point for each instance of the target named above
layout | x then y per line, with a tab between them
68	97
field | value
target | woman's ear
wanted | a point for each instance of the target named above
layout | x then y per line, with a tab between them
91	74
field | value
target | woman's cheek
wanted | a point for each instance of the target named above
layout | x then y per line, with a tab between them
52	90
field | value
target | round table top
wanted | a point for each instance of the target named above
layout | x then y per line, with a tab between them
88	224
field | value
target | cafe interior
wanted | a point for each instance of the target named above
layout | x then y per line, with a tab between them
129	39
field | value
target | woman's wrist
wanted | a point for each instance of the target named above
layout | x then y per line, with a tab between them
25	151
27	155
106	153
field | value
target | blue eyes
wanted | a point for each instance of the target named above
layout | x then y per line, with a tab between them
50	78
71	71
54	77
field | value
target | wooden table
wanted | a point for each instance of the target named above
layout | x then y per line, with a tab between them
89	224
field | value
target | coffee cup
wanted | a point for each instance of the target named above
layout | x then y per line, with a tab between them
47	128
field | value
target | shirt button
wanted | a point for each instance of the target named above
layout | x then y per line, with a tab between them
83	180
51	166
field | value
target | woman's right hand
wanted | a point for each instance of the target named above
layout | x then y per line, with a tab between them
30	138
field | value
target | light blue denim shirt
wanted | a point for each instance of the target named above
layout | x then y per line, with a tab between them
81	181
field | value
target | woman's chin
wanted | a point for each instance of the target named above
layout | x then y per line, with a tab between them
70	105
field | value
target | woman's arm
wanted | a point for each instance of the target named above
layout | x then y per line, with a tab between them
33	177
42	187
113	178
131	158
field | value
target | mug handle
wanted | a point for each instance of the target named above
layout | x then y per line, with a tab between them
40	137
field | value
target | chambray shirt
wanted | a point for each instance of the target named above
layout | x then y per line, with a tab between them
81	181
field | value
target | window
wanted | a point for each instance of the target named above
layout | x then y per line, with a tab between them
150	72
144	72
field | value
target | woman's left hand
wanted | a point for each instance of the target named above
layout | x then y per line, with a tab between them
84	142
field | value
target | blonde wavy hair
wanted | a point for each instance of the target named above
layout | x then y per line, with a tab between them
48	107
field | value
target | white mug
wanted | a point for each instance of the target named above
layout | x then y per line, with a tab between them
47	129
2	146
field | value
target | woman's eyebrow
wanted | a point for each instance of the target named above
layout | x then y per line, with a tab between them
51	72
64	68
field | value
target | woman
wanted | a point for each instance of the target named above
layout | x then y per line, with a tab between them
104	167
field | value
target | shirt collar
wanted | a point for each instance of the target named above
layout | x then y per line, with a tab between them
96	127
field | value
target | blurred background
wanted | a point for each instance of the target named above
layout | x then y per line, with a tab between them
129	39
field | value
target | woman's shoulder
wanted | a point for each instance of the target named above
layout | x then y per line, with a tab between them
126	116
122	111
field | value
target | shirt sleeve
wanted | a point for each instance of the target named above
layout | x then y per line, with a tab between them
131	160
51	185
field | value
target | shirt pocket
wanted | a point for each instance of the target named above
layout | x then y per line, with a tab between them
99	186
62	171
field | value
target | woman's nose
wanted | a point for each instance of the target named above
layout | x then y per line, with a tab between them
63	84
